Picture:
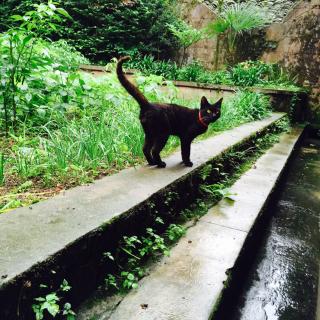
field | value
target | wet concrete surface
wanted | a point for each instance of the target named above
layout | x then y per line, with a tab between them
189	283
282	283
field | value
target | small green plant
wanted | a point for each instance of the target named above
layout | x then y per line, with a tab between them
129	280
50	304
152	243
218	190
171	196
134	250
206	171
111	281
159	220
175	232
187	36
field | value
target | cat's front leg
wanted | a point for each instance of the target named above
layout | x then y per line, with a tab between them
185	152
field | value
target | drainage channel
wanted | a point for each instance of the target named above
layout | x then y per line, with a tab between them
282	282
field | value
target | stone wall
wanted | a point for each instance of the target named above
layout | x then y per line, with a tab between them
199	15
297	48
294	43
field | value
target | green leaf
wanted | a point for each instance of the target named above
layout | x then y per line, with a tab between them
40	299
130	276
52	297
64	13
53	309
27	39
16	17
65	285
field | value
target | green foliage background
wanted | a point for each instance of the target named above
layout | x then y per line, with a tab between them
103	29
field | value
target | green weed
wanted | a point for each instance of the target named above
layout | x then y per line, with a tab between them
175	232
50	304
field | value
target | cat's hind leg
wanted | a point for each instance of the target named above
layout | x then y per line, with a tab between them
148	143
159	144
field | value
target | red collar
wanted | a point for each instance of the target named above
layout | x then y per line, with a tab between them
201	120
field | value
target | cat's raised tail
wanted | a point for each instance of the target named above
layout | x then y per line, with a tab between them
132	89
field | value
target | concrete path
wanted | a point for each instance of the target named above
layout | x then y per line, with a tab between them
187	285
30	235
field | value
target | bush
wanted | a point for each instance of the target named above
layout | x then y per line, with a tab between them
244	74
104	29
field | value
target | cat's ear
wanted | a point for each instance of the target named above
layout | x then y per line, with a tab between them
204	103
218	103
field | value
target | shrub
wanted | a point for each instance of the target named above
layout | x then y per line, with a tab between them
191	72
104	29
18	59
244	74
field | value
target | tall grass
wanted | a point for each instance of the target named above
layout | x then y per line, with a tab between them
111	137
245	106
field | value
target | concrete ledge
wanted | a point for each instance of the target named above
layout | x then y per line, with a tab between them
189	284
64	237
101	70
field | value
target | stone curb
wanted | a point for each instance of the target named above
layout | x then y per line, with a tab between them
191	283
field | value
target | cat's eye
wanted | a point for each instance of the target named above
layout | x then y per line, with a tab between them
209	111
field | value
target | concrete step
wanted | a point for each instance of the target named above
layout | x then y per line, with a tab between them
190	283
64	237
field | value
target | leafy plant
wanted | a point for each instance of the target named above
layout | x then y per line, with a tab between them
175	232
111	282
50	304
153	243
187	36
233	20
206	171
191	72
17	58
218	190
134	250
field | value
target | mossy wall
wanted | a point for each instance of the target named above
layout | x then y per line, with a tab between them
297	47
199	15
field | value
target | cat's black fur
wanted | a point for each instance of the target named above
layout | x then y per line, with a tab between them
160	120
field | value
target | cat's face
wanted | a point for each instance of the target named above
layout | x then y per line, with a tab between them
210	112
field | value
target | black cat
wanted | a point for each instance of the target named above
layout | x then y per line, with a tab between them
160	120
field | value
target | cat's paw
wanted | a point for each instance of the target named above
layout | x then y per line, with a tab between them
188	163
162	164
152	163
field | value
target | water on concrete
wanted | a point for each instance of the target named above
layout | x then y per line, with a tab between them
282	283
